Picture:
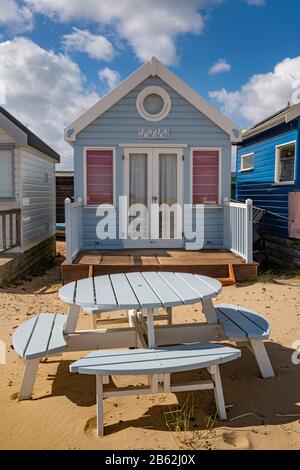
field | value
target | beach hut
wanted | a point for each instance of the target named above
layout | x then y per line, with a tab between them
268	172
27	198
154	141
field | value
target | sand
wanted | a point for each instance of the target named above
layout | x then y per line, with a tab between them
263	414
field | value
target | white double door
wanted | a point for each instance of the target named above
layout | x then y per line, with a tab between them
152	178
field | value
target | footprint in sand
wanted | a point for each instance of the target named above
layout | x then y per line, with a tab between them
233	440
90	427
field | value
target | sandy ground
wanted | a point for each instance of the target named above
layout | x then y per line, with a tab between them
263	414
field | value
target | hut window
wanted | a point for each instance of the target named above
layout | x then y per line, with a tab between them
285	163
99	176
6	174
153	103
205	181
247	162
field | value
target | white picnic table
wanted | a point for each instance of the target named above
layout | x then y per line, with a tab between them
141	294
144	291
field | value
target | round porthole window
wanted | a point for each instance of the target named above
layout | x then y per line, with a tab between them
153	103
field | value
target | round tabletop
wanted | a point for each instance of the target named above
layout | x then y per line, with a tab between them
140	290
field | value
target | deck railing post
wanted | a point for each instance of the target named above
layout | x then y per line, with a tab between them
249	231
226	224
68	219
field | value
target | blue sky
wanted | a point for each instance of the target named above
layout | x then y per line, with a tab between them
57	58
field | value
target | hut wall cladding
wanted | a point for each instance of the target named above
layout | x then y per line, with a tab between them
64	189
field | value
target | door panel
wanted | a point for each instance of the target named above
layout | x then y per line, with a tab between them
154	176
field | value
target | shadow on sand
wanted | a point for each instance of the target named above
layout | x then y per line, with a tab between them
250	400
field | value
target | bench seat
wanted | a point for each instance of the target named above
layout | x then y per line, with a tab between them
154	361
40	336
242	323
158	364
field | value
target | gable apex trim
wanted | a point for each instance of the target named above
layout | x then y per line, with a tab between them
152	68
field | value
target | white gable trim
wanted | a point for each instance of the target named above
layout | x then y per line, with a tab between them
151	68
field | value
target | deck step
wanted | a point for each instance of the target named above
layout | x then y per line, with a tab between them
227	271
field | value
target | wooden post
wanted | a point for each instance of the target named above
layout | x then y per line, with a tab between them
249	231
18	227
4	231
68	218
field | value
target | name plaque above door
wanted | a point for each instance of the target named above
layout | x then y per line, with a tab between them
154	133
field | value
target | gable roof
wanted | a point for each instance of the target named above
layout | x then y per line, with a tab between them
284	116
23	135
152	68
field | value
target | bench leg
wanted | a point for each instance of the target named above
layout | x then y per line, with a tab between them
99	395
169	313
150	329
28	380
262	358
209	311
218	390
131	313
72	319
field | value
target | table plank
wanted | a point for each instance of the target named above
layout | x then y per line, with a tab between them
187	294
213	284
105	296
85	296
144	293
123	292
168	297
67	292
204	290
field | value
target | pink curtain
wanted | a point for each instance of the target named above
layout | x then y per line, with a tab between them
99	175
205	177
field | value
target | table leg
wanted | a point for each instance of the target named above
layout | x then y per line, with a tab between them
72	319
150	328
209	311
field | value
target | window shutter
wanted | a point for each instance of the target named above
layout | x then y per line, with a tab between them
205	177
99	177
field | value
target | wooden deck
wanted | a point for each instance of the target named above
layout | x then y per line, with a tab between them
219	264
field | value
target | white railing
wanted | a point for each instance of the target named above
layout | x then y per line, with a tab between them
238	228
74	228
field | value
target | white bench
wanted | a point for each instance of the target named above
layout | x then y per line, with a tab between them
38	337
243	325
158	364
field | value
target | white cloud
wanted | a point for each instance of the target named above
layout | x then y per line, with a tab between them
44	90
219	67
263	94
110	77
257	3
14	17
151	27
96	47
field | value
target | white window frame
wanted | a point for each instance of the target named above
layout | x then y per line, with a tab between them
85	151
277	158
209	149
157	90
245	155
13	191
